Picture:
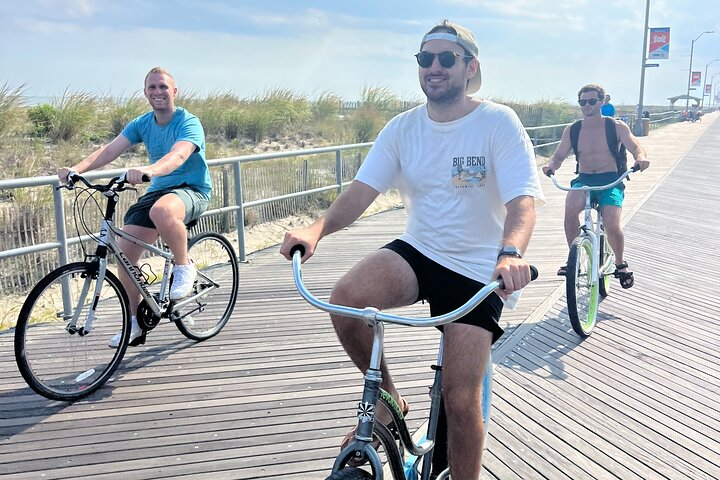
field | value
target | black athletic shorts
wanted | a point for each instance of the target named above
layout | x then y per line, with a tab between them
446	290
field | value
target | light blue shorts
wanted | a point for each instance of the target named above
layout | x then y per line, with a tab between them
612	197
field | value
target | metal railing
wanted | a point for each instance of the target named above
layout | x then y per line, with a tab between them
62	241
238	207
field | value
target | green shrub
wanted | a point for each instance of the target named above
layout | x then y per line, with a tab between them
42	118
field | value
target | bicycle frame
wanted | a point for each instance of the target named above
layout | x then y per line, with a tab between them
106	241
372	392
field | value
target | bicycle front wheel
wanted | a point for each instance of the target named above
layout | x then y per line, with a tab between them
582	293
61	349
215	291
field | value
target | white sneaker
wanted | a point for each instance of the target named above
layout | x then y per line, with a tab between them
183	279
135	332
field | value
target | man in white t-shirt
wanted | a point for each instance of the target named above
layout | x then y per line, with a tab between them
466	172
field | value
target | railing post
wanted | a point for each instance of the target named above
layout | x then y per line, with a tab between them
60	231
338	171
240	217
61	235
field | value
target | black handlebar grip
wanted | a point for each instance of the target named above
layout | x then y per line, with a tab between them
533	273
549	172
635	168
297	248
145	178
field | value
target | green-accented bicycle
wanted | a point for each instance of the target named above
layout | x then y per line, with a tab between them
591	261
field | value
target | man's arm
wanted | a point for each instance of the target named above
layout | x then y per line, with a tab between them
561	152
519	225
343	211
177	155
633	145
99	158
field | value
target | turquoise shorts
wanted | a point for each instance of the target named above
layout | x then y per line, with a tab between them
139	214
612	197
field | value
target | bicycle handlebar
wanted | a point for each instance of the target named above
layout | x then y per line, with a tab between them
371	314
119	181
551	174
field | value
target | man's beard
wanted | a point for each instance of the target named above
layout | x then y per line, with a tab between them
448	97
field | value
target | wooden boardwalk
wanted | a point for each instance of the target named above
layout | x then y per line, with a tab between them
271	396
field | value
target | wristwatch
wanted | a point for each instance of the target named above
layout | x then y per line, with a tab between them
509	250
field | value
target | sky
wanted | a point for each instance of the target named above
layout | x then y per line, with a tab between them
530	50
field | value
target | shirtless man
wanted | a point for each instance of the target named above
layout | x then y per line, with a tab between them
597	166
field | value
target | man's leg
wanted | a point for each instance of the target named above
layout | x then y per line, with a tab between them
574	205
611	219
382	280
168	215
466	353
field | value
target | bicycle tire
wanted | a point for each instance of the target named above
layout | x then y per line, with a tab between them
63	364
604	278
351	473
582	294
217	285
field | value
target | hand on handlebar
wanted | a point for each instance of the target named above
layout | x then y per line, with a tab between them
547	170
137	175
298	240
515	273
641	165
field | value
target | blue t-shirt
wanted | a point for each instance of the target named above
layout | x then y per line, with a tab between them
159	140
608	110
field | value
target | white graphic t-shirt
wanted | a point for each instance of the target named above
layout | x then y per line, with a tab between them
455	179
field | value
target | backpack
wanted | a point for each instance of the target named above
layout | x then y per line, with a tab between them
620	153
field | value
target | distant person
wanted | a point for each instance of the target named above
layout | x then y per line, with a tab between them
694	115
466	172
608	109
179	189
598	165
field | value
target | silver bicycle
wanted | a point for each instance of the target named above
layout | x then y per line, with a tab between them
396	439
591	261
62	332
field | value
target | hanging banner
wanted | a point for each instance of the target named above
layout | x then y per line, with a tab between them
695	79
708	88
659	43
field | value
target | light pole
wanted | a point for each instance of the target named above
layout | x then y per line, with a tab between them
638	130
692	46
704	81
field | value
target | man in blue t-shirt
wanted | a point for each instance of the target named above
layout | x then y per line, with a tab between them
179	187
607	109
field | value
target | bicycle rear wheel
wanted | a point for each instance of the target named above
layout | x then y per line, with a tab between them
582	294
604	278
215	291
56	356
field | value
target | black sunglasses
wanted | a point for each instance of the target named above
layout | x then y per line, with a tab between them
592	101
447	59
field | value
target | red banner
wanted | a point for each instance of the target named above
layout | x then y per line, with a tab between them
659	43
695	79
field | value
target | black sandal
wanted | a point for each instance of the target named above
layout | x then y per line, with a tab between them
563	271
627	279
